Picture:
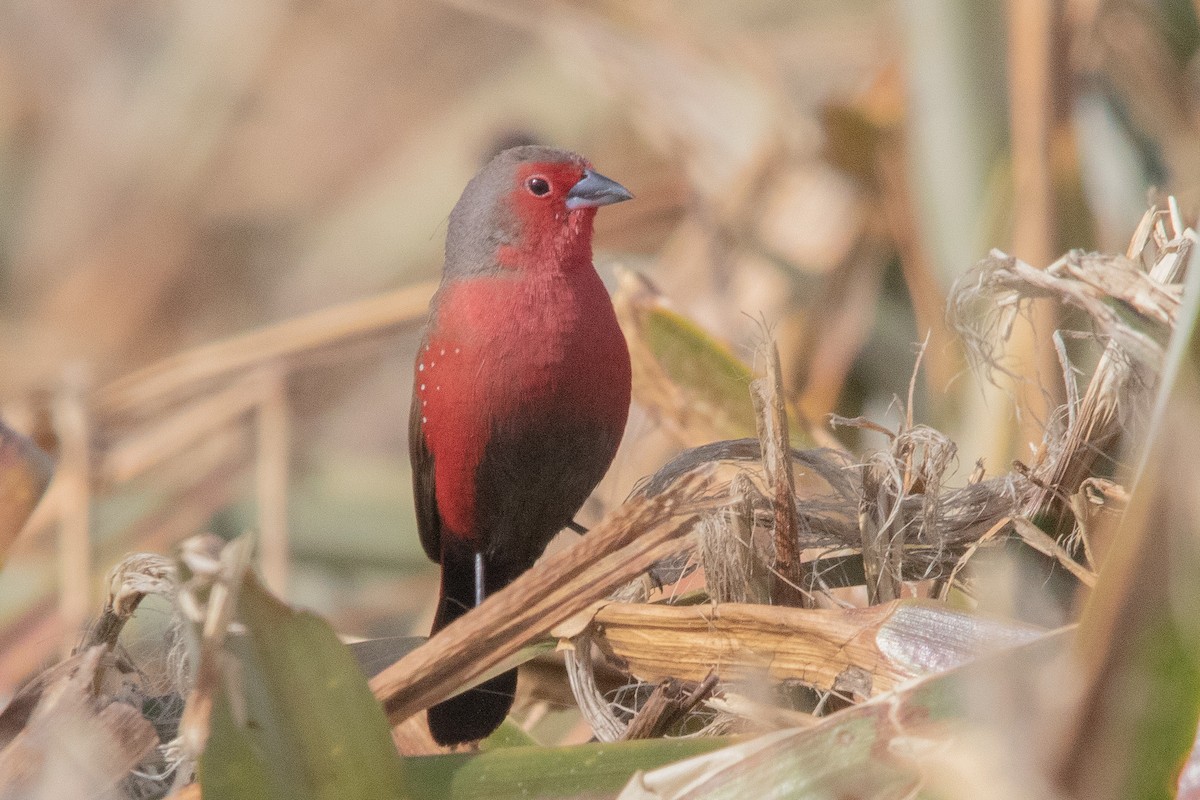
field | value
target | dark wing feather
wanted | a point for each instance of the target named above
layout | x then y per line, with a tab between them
429	522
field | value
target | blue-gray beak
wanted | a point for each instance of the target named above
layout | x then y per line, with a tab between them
594	190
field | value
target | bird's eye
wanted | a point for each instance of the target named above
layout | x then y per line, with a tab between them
538	186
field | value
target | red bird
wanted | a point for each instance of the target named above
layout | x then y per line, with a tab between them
520	393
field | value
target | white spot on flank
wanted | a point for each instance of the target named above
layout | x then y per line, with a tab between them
439	387
422	387
424	420
432	364
420	367
458	349
443	351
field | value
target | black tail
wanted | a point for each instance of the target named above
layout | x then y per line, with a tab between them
476	712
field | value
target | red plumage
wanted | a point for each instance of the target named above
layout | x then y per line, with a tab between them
521	390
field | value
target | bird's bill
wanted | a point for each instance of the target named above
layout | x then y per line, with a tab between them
595	190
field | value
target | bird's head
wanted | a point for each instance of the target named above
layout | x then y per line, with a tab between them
529	208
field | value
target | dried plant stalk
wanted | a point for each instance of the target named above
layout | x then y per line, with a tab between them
1039	540
903	511
129	582
592	704
73	425
219	570
771	415
821	647
619	549
1089	282
671	701
173	378
882	538
1098	419
859	651
735	569
134	454
939	524
1132	302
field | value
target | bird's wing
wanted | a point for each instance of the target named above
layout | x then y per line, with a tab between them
429	522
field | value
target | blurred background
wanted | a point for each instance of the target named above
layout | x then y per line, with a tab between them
190	191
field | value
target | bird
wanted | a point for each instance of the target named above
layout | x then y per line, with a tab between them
521	391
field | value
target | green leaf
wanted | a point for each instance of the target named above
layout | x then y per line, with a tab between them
709	373
592	770
703	366
308	726
509	734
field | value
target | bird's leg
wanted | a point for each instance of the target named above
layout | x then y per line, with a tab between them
575	526
478	579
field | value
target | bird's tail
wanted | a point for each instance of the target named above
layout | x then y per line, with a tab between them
478	711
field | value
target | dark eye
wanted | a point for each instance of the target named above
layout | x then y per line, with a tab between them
538	186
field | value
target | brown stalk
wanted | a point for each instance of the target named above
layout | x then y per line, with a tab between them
172	378
942	354
1045	544
616	551
1032	27
670	702
1094	296
211	481
136	453
771	416
223	568
1097	422
882	538
72	424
